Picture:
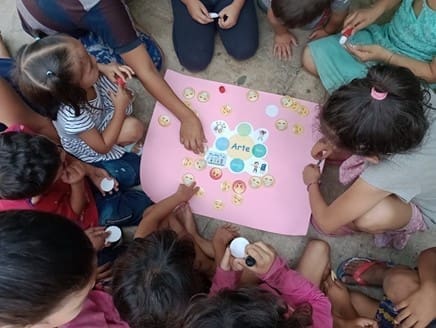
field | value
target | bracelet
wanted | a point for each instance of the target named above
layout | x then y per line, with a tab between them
312	183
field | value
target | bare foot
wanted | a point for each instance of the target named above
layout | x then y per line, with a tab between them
4	52
184	215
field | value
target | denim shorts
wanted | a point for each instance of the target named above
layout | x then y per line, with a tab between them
126	206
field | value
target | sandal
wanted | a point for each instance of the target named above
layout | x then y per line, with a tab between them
366	264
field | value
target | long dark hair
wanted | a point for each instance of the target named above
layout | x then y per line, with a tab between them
353	120
155	279
44	258
245	308
44	74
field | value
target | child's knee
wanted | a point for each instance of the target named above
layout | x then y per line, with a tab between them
307	61
395	277
319	247
133	129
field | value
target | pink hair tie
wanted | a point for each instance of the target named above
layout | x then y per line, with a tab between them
378	95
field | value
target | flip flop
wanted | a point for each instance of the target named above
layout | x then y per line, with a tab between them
366	264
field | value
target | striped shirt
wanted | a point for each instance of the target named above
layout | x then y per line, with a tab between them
109	19
96	115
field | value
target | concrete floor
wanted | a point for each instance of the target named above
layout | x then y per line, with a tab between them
262	72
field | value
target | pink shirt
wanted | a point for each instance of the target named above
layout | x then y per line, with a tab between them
98	311
292	287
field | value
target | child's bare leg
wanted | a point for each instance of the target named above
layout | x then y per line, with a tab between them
308	63
314	264
132	131
184	214
365	306
400	283
4	52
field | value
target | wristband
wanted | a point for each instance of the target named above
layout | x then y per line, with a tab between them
312	183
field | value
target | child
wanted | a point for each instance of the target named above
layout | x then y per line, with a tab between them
324	17
194	30
384	119
407	41
87	109
35	174
47	274
107	28
411	305
167	263
286	298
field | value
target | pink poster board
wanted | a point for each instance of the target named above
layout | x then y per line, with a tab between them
251	173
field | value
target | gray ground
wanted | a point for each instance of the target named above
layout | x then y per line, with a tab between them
263	73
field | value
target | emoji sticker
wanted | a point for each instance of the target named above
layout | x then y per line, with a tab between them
189	93
239	186
164	120
188	179
286	101
226	110
203	96
218	204
268	180
200	192
281	124
303	111
225	186
255	182
237	199
252	95
200	164
298	129
216	173
187	162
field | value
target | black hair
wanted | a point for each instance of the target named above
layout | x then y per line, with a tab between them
245	308
44	258
28	164
44	75
354	120
155	279
298	13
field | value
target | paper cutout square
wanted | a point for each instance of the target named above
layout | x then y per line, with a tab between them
251	173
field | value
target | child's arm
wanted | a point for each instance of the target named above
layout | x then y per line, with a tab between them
103	143
352	204
419	308
283	39
74	175
158	212
333	25
225	276
229	15
113	71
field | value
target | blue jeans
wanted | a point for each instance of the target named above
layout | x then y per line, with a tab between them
126	206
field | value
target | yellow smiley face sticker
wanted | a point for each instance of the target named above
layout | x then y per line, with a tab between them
188	179
268	180
226	110
189	93
218	204
187	162
255	182
164	120
281	124
203	96
252	95
200	164
298	129
237	199
225	186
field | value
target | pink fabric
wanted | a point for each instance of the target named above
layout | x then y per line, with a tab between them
351	169
291	286
399	238
98	311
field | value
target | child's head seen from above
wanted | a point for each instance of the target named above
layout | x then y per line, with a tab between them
47	268
295	14
29	164
55	70
382	114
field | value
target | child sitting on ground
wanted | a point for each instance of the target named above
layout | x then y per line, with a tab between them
166	264
48	273
384	120
90	113
324	17
35	174
407	41
285	298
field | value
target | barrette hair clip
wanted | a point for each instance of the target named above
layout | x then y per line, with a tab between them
49	73
377	95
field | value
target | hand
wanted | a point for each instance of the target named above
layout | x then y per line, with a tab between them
361	18
282	45
114	70
228	262
192	134
322	149
262	253
311	174
318	34
74	173
104	271
363	323
98	236
418	310
96	175
229	16
224	235
369	52
121	100
198	11
184	193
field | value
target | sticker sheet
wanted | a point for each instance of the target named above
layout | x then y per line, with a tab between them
251	170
